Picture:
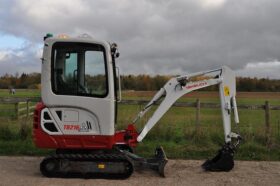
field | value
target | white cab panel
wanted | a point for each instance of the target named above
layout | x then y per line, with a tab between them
102	108
71	121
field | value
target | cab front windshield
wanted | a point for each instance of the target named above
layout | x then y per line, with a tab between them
79	69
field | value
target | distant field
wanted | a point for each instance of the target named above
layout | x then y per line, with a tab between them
176	131
20	93
213	96
204	96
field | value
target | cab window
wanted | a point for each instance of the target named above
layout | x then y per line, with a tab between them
79	69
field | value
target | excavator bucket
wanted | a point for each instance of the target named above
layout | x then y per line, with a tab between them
223	161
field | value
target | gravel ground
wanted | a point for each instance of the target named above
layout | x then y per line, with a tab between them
25	171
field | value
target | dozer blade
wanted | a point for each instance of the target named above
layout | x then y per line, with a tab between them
157	163
223	161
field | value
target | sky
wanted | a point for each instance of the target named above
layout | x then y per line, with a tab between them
173	37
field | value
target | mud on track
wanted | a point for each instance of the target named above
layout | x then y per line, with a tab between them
25	171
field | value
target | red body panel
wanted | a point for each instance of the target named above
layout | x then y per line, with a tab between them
127	136
43	140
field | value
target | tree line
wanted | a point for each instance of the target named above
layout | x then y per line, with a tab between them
141	82
146	82
23	81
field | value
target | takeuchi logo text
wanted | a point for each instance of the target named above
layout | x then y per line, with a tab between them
195	85
72	127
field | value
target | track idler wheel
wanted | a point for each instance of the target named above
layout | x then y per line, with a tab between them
223	161
49	167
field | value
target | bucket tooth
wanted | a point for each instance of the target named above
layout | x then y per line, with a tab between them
223	161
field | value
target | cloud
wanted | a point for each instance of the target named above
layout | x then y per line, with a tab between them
269	69
159	36
8	41
25	59
211	3
3	55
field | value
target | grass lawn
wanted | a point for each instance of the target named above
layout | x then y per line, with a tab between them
176	131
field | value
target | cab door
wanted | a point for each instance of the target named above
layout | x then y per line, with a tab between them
77	77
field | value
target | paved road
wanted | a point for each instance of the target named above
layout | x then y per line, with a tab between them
25	171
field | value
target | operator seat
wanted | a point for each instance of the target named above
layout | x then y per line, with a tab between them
61	85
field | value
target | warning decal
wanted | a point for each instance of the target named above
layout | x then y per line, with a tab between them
226	90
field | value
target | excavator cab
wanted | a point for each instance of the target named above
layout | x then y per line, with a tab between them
78	93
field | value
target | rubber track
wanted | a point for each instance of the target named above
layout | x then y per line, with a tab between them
90	158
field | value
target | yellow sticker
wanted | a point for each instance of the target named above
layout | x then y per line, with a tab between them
101	166
226	91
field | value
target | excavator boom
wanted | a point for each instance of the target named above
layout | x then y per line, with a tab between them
177	87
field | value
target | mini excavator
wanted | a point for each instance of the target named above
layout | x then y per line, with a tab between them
77	114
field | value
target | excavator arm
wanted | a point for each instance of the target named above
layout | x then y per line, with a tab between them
177	87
